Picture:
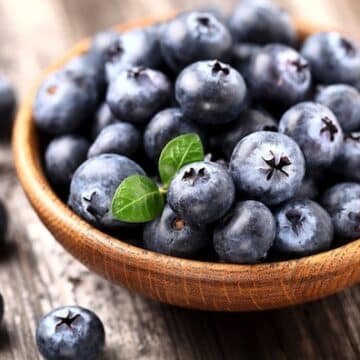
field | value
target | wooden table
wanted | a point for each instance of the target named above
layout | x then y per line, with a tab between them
36	274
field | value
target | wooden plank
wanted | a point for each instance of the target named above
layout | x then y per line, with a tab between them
37	275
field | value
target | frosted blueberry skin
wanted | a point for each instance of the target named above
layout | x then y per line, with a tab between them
246	234
201	192
63	156
279	74
316	130
347	162
64	102
342	201
163	127
333	58
101	41
138	47
94	184
122	138
303	228
137	94
194	36
248	121
171	235
261	22
3	225
7	107
267	166
102	118
344	102
70	332
210	92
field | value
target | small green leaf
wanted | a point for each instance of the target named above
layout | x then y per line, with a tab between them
183	150
137	200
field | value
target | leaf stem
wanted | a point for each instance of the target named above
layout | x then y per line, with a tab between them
163	190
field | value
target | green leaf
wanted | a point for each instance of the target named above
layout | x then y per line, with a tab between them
137	200
182	150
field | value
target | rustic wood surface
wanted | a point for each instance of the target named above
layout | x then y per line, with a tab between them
36	274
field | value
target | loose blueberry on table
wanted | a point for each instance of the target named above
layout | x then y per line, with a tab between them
69	333
131	120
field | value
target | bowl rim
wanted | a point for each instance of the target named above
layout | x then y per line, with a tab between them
28	165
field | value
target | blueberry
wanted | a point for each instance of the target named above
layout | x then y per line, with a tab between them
303	228
170	234
69	333
279	74
210	92
308	189
316	130
249	121
164	126
63	156
1	308
7	107
139	47
344	102
122	138
267	166
261	22
333	58
64	101
94	184
102	118
101	42
342	201
137	94
3	222
194	36
347	162
241	56
246	234
201	192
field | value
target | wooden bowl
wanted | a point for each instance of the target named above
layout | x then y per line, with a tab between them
186	283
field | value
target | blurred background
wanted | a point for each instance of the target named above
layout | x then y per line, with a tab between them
37	275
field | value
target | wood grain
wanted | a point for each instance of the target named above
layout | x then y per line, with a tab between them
36	274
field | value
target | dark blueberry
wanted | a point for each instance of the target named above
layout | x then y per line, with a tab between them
89	66
246	234
69	333
194	36
241	56
249	121
303	228
347	162
94	184
164	126
122	138
308	189
201	192
3	222
267	166
170	234
279	74
333	58
210	92
137	94
316	130
261	22
7	107
342	201
64	101
344	102
63	156
1	308
102	118
139	47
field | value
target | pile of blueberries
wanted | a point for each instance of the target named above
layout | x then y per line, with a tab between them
279	120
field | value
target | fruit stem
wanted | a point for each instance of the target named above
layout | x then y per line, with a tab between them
163	190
